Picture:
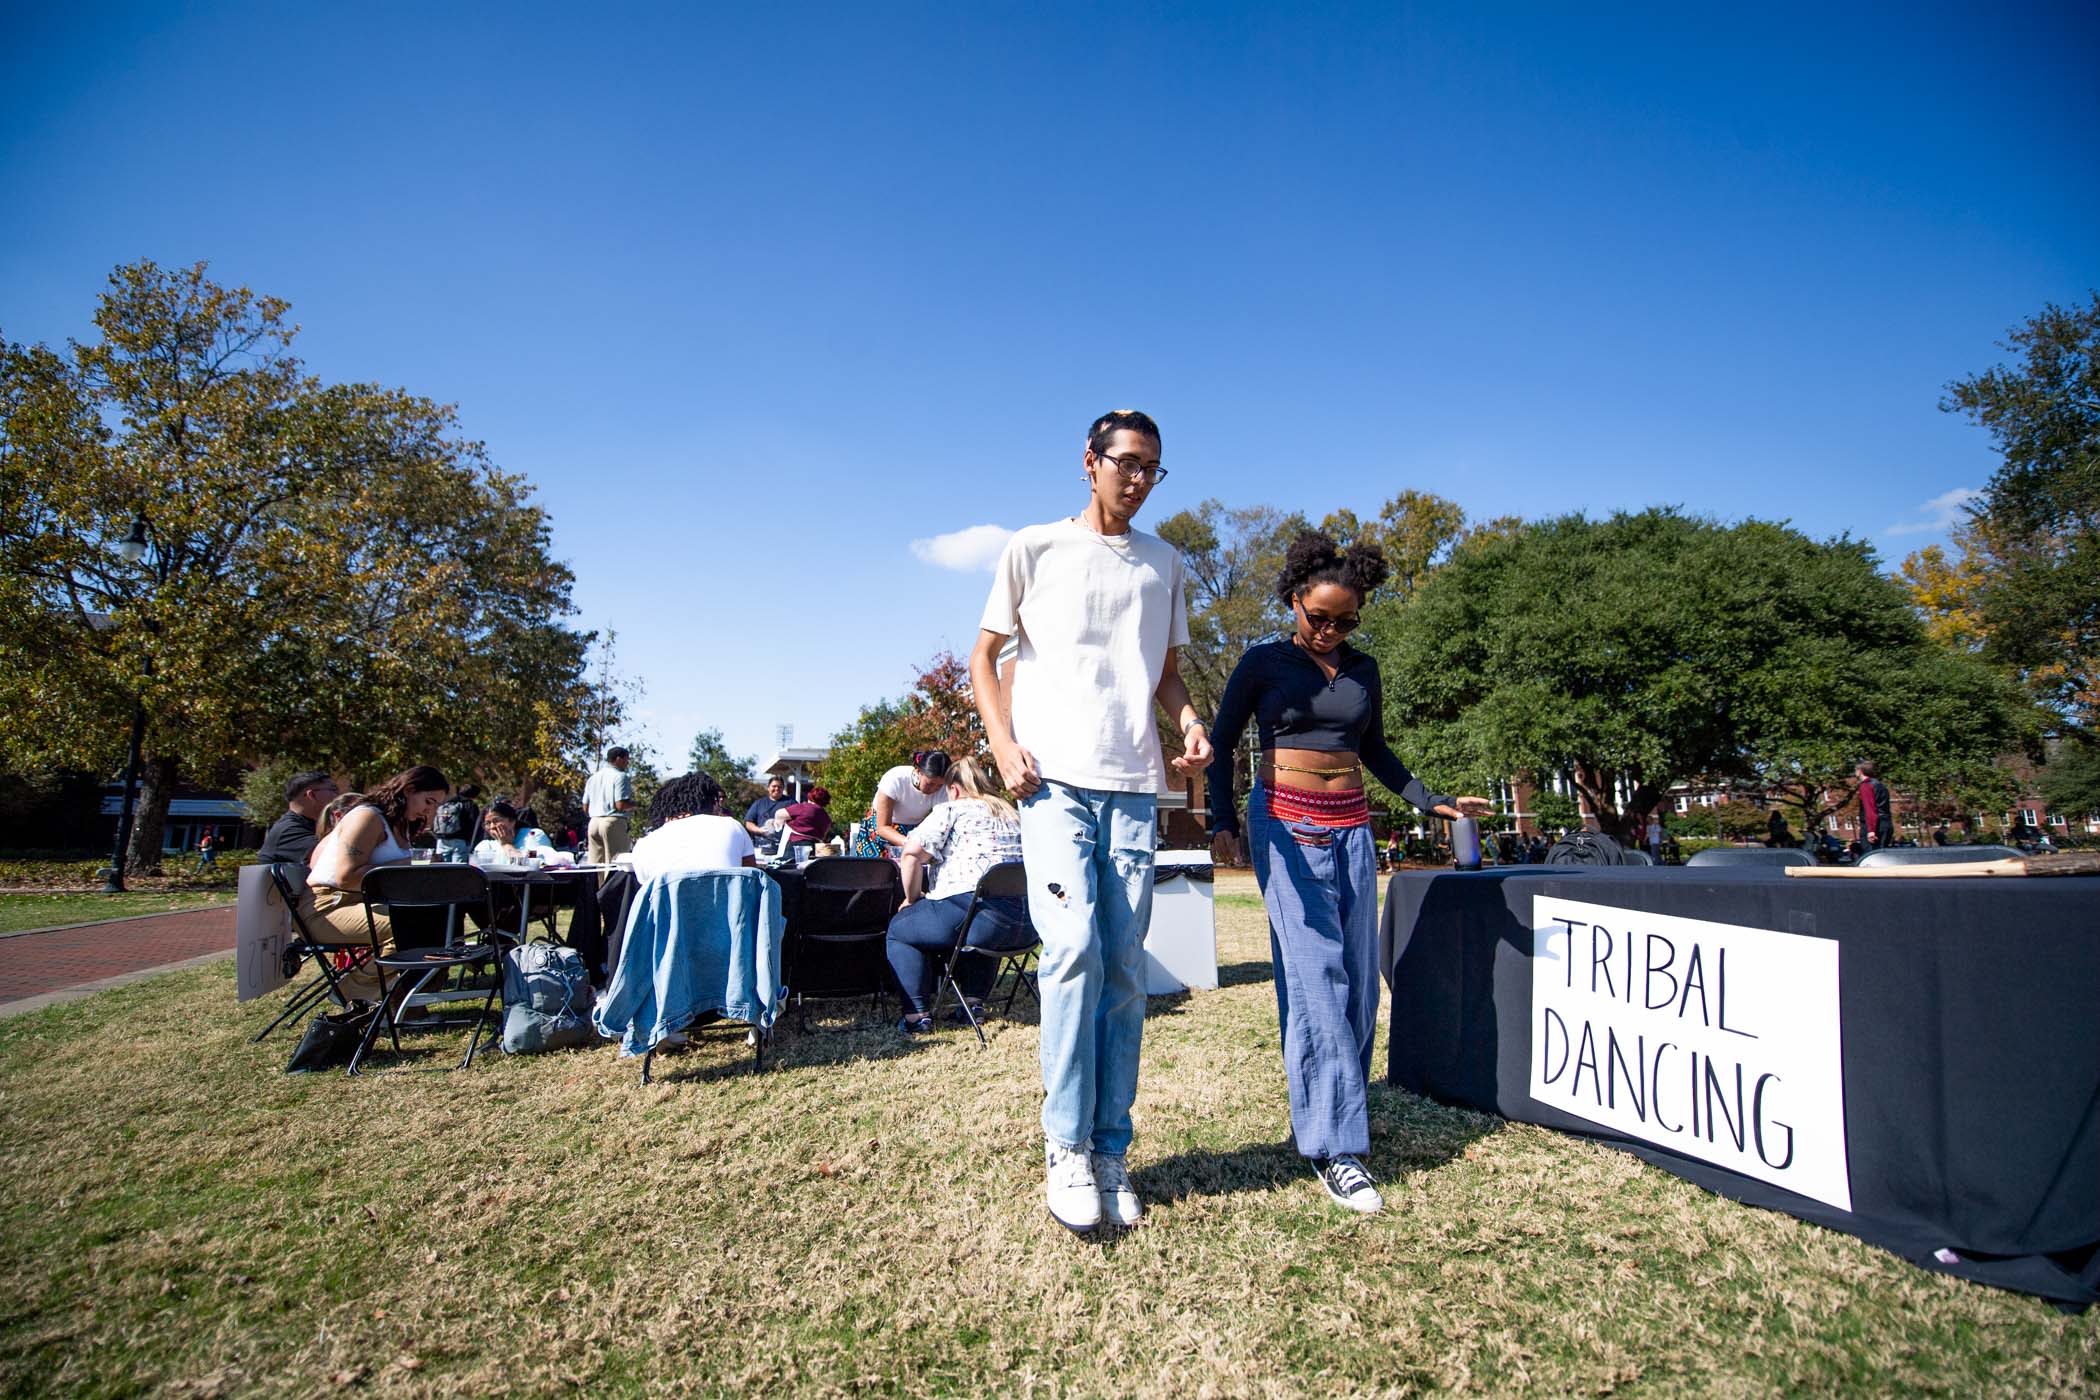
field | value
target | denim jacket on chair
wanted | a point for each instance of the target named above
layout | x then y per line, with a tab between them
696	941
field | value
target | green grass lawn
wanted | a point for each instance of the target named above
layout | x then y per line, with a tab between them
176	1216
24	911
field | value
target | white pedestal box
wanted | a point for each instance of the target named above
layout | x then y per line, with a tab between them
1181	950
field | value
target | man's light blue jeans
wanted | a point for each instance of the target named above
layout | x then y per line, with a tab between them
1089	858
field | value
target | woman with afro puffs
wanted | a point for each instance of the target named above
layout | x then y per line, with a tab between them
1318	709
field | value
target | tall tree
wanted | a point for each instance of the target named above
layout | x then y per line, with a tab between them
1650	648
735	772
936	713
2030	566
1233	557
2070	782
334	575
1415	530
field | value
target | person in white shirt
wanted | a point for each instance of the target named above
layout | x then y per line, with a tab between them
968	834
608	798
1099	610
690	831
375	832
904	796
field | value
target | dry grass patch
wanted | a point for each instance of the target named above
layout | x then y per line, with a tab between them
177	1216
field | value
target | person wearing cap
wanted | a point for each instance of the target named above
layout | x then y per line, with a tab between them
904	796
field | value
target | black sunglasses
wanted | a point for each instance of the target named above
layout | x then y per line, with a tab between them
1340	626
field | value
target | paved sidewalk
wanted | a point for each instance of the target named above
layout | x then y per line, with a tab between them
67	959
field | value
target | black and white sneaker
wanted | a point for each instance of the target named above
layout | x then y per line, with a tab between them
1350	1186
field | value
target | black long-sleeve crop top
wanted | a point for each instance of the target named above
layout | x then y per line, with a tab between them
1295	706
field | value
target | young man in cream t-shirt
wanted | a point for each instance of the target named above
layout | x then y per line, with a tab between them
1100	613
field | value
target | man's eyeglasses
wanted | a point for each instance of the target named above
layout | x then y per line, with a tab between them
1340	626
1136	469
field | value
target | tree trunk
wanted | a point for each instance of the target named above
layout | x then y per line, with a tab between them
156	789
1596	785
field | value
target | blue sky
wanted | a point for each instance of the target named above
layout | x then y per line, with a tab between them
758	297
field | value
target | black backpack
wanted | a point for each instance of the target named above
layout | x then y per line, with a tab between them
1587	848
453	819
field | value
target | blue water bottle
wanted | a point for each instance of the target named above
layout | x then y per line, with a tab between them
1465	843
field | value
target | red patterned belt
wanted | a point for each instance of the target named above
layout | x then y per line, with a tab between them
1307	807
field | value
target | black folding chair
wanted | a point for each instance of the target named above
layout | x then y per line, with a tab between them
321	944
455	889
836	934
1006	880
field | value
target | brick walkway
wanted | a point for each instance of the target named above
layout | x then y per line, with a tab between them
33	964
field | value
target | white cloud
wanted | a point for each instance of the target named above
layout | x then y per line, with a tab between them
968	550
1942	513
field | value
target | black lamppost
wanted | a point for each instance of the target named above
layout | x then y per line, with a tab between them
133	549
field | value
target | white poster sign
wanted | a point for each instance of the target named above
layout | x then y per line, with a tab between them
1714	1040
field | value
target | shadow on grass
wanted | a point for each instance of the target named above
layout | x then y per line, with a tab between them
859	1040
1408	1135
1243	974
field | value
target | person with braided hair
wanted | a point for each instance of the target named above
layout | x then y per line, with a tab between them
1319	709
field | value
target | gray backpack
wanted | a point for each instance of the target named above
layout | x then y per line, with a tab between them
547	999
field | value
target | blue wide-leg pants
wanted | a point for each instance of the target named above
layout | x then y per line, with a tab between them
1320	885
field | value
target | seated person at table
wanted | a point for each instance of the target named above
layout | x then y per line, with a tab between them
690	831
809	822
291	838
500	845
332	817
903	798
376	832
761	818
968	835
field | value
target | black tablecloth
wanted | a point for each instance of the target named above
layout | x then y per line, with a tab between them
1971	1044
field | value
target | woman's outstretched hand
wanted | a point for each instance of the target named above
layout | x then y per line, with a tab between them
1465	807
1225	849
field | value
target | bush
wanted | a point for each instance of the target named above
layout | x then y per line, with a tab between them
44	870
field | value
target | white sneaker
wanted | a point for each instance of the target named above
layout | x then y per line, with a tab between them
1350	1186
1074	1203
1119	1201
